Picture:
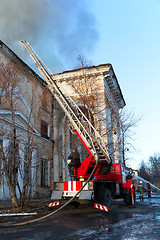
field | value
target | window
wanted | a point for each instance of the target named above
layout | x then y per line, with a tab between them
1	95
13	158
27	164
44	173
1	143
44	130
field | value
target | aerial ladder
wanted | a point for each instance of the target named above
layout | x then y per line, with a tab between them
78	122
99	178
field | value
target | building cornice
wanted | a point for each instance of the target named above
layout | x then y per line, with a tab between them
13	57
19	114
104	70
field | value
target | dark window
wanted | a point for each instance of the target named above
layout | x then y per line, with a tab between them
54	103
1	143
13	157
27	164
1	94
44	130
44	173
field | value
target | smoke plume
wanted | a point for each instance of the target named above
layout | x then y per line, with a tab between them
57	30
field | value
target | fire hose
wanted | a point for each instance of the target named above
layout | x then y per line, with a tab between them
57	210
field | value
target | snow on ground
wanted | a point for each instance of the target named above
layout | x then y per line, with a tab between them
139	226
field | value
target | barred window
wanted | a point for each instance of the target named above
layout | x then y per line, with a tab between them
1	143
13	156
44	173
44	129
27	164
1	94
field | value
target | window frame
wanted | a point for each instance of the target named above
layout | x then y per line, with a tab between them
44	173
44	129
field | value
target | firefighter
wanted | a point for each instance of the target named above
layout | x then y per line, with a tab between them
73	161
140	190
149	189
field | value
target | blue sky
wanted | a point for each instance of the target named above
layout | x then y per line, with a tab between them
129	38
125	33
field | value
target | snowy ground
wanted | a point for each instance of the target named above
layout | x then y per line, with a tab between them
139	226
88	223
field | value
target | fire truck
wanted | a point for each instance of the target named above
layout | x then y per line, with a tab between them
97	178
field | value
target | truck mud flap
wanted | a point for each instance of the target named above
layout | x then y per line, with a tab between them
56	195
85	195
102	207
53	204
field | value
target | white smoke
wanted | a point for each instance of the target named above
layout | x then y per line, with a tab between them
58	30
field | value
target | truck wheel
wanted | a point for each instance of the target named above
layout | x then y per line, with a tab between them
75	204
105	197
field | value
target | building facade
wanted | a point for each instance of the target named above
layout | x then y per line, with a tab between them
27	105
43	137
96	91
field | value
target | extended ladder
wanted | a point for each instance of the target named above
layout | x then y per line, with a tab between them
77	119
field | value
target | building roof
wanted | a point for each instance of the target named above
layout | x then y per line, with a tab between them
106	69
103	69
5	49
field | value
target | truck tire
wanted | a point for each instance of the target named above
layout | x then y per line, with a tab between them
75	204
105	197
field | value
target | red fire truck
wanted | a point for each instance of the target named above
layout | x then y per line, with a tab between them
97	178
108	181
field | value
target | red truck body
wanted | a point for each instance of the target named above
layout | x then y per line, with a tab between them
97	177
103	186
